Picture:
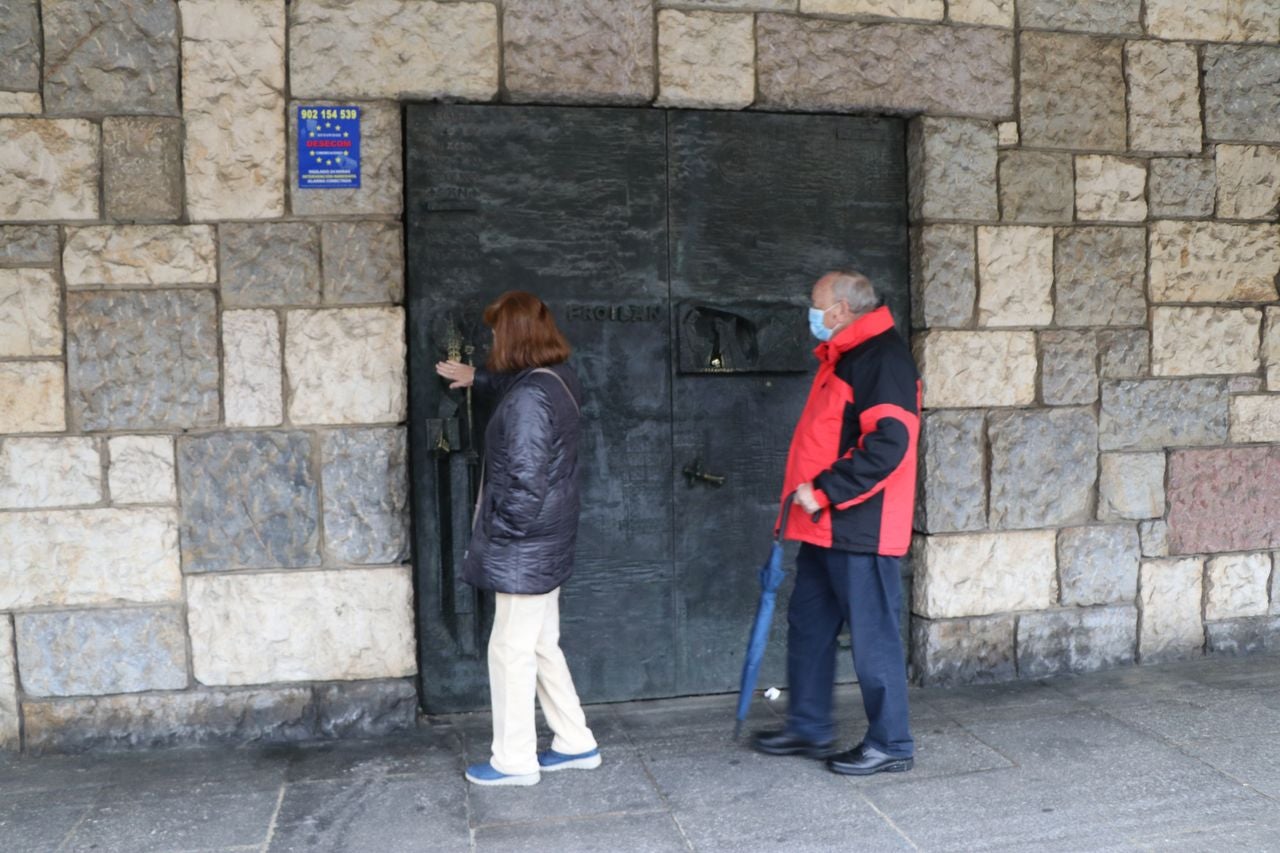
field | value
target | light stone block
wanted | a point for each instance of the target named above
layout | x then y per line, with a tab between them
116	255
88	556
49	472
251	368
1271	348
992	13
346	366
1131	486
1110	189
1275	583
1236	586
1214	262
393	49
1164	97
973	369
233	83
1015	276
1169	619
1248	181
30	313
1212	20
976	574
925	10
49	169
1255	418
1007	133
706	59
33	397
21	103
1205	340
141	469
952	165
315	626
10	714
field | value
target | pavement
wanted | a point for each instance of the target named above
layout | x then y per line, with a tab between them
1179	757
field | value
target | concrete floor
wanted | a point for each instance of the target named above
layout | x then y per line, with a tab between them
1173	758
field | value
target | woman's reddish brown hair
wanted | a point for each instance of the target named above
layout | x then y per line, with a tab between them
524	333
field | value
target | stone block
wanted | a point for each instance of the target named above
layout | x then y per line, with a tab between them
952	169
30	313
346	366
32	397
1224	500
252	368
365	708
233	84
1092	16
1007	133
142	167
1072	91
1164	96
140	254
1212	20
1154	414
65	558
1098	564
1248	181
381	168
249	501
363	262
1110	189
825	65
48	169
270	263
29	245
1255	635
968	369
1245	384
1043	467
949	652
49	472
1181	187
594	51
1214	262
142	469
1086	640
706	59
21	103
924	10
1155	538
320	626
1242	93
979	574
1068	368
20	45
1036	186
1131	486
1275	584
1236	586
393	49
1271	348
1255	418
953	487
943	277
113	56
1169	595
1124	353
1100	275
992	13
1015	275
366	503
142	360
96	652
1205	340
10	713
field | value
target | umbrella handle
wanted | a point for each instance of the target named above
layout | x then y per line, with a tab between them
786	512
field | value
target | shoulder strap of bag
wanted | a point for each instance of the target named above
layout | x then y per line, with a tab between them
563	385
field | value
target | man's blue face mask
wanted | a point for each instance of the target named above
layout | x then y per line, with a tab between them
816	326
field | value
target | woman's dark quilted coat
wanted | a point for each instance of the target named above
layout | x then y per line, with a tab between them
524	534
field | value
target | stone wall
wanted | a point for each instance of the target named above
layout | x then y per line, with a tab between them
203	526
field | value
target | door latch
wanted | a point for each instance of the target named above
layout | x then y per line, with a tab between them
694	473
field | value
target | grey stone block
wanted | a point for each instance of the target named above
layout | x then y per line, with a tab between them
1036	186
28	244
276	263
946	652
142	168
114	56
953	461
1181	187
1124	353
363	262
20	45
365	708
1085	640
96	652
952	168
1123	17
1131	486
1155	538
248	501
943	279
1243	636
366	495
1098	565
1073	91
1043	467
142	360
381	167
1152	414
1068	368
1100	276
1242	93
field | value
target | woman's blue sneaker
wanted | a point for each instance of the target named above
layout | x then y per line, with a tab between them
484	774
552	760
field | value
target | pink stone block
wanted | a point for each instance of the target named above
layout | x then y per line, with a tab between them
1224	500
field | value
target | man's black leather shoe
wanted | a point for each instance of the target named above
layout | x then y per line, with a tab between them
781	743
864	760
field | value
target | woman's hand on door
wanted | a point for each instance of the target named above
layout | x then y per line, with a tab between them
459	375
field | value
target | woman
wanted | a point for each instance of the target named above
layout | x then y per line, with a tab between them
523	536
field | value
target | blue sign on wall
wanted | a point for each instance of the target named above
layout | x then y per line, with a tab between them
328	148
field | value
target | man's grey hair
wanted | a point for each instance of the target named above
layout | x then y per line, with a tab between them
854	289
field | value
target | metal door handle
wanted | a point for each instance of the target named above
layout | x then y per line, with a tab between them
693	472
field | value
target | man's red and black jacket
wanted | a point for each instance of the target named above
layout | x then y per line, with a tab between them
856	441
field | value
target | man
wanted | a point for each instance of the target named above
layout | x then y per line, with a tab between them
852	468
